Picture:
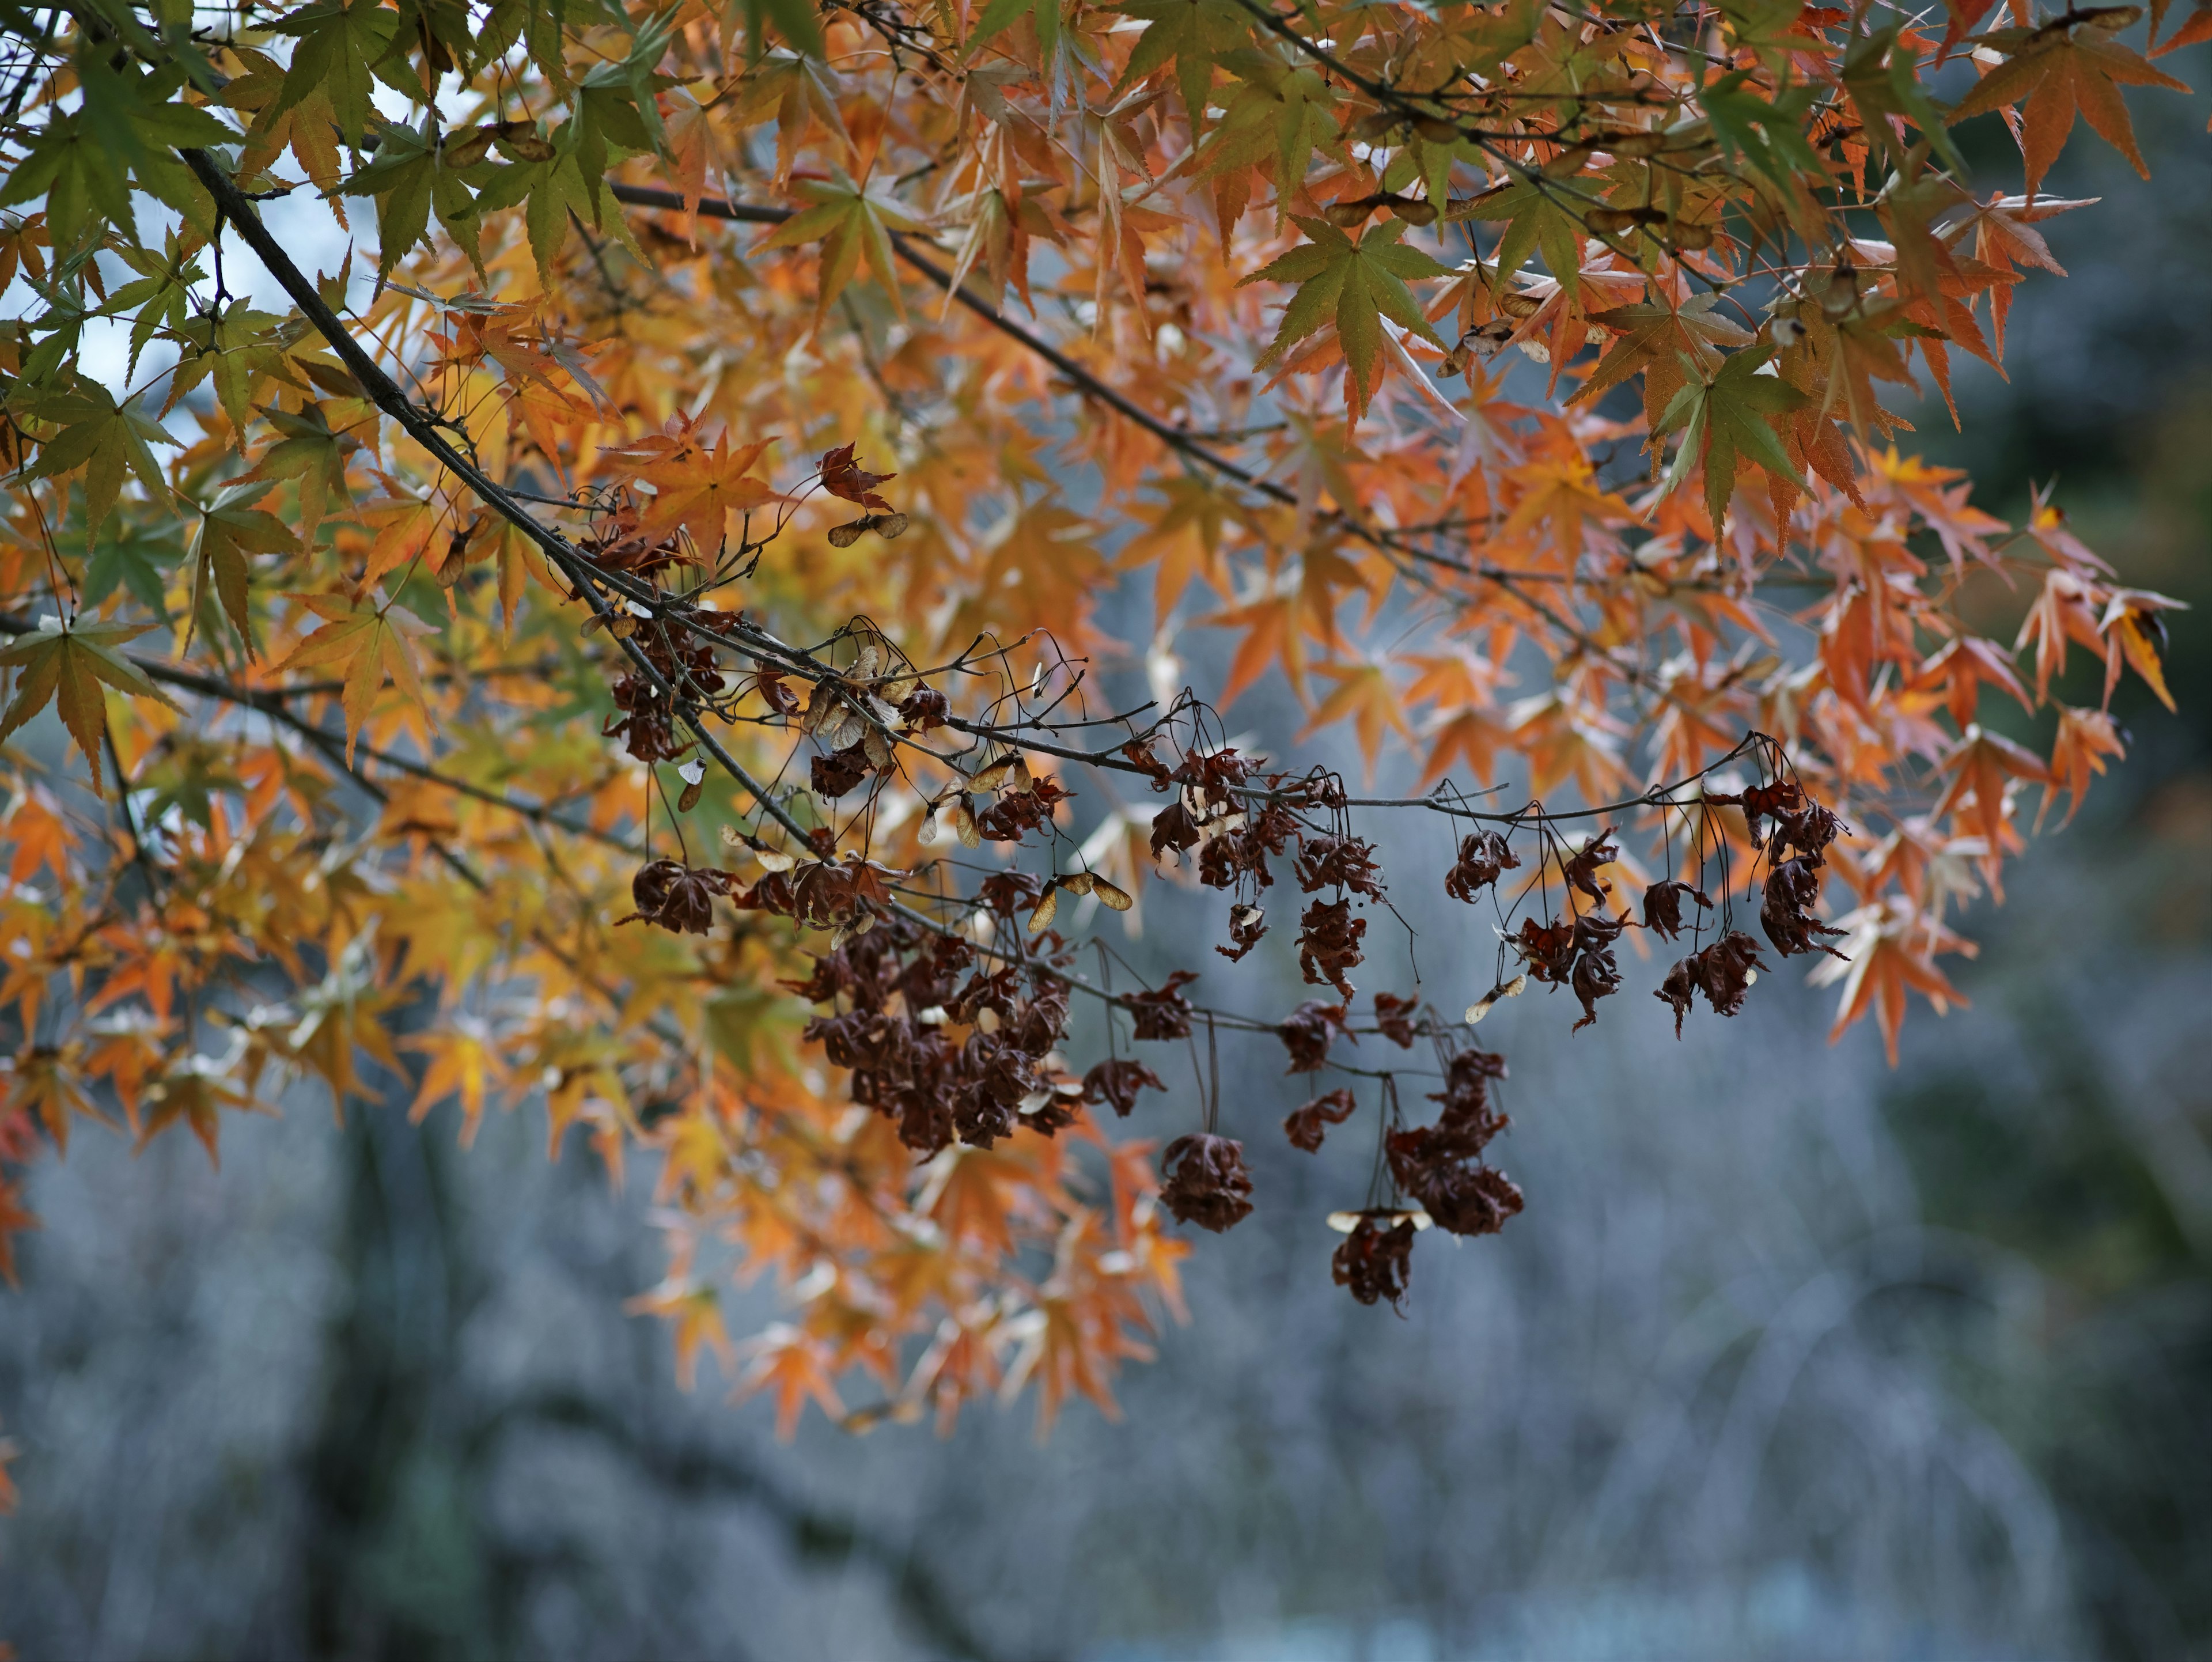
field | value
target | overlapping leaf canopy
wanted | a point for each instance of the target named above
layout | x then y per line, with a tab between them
626	632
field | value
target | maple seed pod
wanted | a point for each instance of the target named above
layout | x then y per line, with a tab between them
529	147
1111	896
844	536
889	525
1414	211
1047	908
1483	1006
1352	212
467	150
1691	238
1436	130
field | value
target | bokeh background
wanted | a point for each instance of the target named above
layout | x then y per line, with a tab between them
1792	1355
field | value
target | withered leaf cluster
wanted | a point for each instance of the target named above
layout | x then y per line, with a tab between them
1724	972
1206	1182
683	663
899	1029
1484	857
1375	1260
1441	1165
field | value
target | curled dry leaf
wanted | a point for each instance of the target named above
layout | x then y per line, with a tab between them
843	476
1307	1126
1115	1082
677	897
1307	1030
1394	1016
1246	924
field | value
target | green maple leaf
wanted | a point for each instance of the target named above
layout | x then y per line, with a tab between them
537	25
1541	216
1283	111
344	47
1771	135
1729	415
408	179
1655	340
160	296
1883	82
238	351
1358	283
134	559
847	220
107	440
313	453
67	667
232	530
552	190
1192	35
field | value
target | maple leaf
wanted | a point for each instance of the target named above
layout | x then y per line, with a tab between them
1363	693
794	1367
843	476
1280	113
466	1062
1355	284
1727	416
193	1095
2068	65
1183	543
1963	667
1890	950
132	558
1980	765
310	451
695	1310
1564	497
1193	35
370	643
107	440
848	220
1654	340
1472	735
68	666
2134	632
1273	633
45	1089
692	149
696	485
1542	217
2085	739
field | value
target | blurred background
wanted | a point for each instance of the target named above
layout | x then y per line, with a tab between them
1792	1355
